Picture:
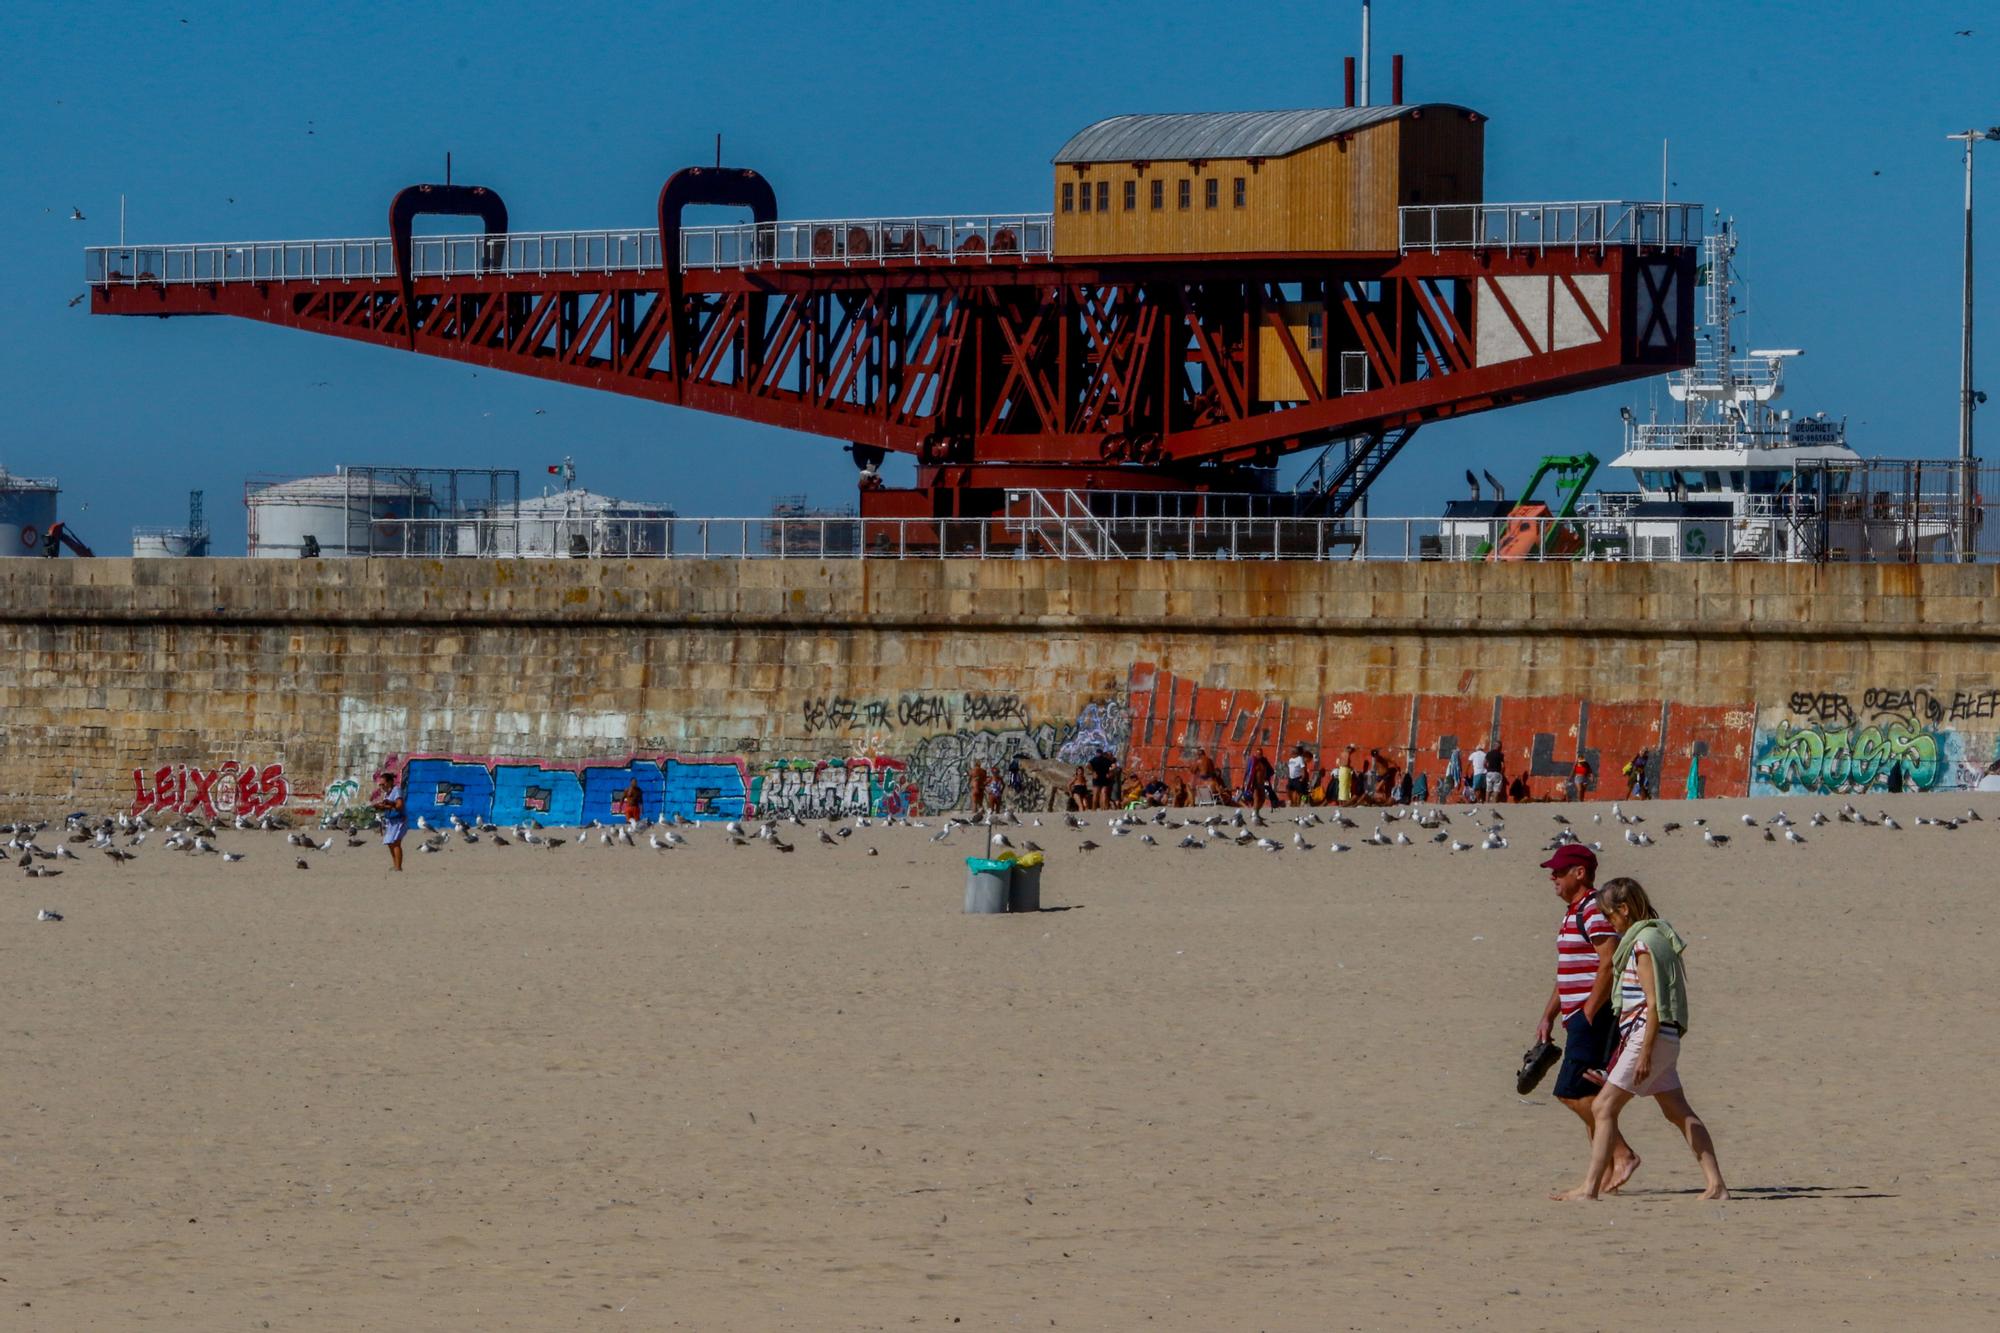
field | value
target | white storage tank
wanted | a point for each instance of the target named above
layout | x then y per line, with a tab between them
584	523
338	511
27	508
161	543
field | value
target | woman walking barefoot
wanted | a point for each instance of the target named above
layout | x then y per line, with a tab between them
1652	1007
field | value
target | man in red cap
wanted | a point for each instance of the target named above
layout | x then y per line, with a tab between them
1581	1000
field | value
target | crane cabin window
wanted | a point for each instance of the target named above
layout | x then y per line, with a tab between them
1131	195
1159	194
1068	197
1186	192
1239	191
1104	196
1211	191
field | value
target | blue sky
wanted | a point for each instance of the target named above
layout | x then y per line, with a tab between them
1781	114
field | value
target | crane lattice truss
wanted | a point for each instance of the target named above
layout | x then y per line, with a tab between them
1023	371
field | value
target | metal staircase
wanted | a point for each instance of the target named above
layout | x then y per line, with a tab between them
1332	492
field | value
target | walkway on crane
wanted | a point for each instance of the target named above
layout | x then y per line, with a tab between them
933	241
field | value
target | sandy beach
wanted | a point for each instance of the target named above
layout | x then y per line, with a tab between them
721	1088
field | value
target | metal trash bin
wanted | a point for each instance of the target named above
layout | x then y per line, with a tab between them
1024	891
986	885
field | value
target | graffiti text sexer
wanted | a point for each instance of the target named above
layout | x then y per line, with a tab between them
234	788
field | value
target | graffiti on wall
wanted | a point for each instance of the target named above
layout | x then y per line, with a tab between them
940	764
833	788
229	789
1832	742
513	791
1172	718
840	714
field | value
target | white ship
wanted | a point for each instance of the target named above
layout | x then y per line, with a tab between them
1738	477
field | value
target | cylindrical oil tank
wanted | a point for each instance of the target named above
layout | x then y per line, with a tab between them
587	524
27	508
343	514
161	543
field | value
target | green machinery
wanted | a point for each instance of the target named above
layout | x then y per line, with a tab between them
1528	532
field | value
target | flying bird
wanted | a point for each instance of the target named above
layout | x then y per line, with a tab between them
77	300
76	215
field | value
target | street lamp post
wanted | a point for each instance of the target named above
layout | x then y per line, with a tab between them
1967	514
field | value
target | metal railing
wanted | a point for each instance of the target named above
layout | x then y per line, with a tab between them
982	238
1775	538
1574	225
947	239
373	259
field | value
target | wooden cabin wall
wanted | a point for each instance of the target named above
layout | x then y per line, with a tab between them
1339	195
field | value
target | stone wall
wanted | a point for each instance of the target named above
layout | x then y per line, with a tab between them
546	686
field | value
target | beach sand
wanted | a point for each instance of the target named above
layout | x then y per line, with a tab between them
727	1089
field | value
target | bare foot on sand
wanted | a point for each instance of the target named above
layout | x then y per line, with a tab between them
1719	1192
1620	1171
1577	1195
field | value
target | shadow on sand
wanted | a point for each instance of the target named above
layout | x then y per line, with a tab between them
1770	1193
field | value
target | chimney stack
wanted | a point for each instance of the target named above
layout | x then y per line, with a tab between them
1350	80
1396	80
1367	50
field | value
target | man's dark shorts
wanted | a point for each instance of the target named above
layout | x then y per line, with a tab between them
1585	1046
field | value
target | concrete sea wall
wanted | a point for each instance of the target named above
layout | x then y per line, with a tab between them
544	687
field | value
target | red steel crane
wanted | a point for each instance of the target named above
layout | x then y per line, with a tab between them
974	345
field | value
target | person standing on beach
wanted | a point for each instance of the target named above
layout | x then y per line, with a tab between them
1652	1018
392	805
1101	765
1263	792
1207	781
1581	1001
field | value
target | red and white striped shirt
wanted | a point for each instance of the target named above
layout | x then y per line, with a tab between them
1576	960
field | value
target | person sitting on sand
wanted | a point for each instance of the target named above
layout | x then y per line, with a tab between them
1652	1006
632	805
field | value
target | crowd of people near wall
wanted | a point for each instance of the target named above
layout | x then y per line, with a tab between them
1329	776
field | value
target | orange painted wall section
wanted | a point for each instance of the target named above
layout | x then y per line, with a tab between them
1541	735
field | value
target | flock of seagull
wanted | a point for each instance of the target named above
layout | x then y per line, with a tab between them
120	837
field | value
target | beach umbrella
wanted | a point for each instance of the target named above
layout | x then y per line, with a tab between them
1694	777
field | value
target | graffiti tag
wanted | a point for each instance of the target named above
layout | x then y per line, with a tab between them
1851	759
231	789
832	788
